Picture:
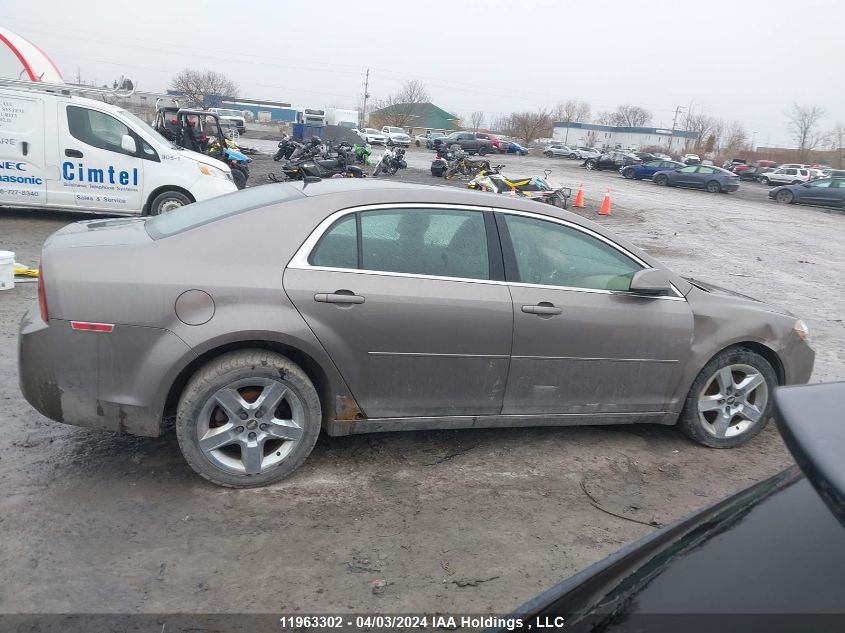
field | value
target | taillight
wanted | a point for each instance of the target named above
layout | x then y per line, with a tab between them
42	295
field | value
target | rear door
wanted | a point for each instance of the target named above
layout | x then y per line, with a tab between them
819	192
23	177
410	303
584	344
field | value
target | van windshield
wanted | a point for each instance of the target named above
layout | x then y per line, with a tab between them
139	122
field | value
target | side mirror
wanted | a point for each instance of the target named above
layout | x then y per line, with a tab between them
128	144
651	281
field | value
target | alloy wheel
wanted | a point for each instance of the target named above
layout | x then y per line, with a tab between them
250	425
785	196
733	400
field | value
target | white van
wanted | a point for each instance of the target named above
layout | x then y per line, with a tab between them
59	151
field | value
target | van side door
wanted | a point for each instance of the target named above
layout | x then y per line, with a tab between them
23	177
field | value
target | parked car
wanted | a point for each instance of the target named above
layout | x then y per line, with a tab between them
709	177
826	192
785	534
644	156
611	160
815	174
373	136
495	141
660	156
690	159
235	118
396	136
784	175
431	324
515	148
647	170
559	150
431	138
833	173
467	141
583	153
754	173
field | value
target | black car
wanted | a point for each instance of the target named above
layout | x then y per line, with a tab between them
753	173
611	160
770	558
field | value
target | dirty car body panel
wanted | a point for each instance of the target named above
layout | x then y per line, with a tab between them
467	342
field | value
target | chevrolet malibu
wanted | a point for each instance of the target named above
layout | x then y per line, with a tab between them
255	319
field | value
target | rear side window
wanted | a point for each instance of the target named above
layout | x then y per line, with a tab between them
200	213
438	242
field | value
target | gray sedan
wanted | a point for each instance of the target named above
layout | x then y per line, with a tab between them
708	177
256	319
825	192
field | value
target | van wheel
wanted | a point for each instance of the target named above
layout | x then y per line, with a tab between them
239	178
167	202
248	418
730	400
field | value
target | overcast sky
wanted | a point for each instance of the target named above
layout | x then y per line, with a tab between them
743	60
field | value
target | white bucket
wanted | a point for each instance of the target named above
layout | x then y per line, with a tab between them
7	270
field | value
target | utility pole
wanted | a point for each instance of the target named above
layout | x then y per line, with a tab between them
366	96
674	123
78	75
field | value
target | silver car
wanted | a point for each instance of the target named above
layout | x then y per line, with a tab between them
255	319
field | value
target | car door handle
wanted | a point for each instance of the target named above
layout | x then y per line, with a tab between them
73	153
544	307
339	296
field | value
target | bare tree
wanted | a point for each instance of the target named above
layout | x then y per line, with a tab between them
476	120
803	123
400	109
529	126
735	138
632	116
606	118
195	85
704	127
837	140
572	110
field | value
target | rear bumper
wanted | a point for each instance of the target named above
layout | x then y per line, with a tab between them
110	381
733	187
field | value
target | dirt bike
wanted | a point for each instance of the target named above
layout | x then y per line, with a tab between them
465	166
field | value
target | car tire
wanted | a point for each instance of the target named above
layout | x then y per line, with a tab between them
482	150
785	196
549	154
417	143
239	178
168	201
765	181
244	378
722	424
661	180
590	164
573	155
628	173
713	186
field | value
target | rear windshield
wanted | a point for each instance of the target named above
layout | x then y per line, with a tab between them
200	213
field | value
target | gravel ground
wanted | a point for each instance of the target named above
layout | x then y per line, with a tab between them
95	522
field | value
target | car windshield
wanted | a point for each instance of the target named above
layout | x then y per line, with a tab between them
199	213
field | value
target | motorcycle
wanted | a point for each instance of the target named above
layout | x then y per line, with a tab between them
440	164
363	153
533	188
390	161
313	161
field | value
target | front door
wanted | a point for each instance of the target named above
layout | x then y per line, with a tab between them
582	343
94	166
402	300
686	176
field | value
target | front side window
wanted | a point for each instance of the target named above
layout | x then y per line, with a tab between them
96	128
838	184
551	254
438	242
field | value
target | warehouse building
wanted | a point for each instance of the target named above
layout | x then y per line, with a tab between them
612	136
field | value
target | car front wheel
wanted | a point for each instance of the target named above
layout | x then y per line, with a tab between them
764	181
785	196
590	164
713	187
548	154
730	400
248	418
661	179
628	173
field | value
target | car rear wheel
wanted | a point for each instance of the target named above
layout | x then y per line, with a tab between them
729	402
248	418
713	187
549	154
628	173
785	196
482	150
661	180
591	164
573	155
764	181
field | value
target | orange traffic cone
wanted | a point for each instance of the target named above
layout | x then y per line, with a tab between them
605	204
579	197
